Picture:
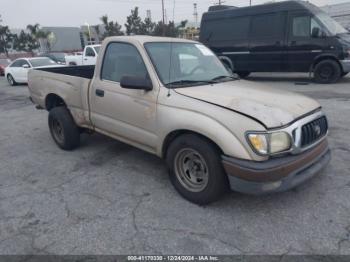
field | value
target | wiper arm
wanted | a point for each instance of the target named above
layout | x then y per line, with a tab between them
188	82
223	77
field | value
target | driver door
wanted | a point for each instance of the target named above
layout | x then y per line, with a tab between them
128	114
303	48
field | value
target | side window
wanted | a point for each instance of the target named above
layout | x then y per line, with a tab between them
227	29
25	63
89	52
301	26
17	63
267	26
122	60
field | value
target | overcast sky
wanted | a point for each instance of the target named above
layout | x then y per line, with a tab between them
19	13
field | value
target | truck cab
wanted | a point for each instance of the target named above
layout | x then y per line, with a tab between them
89	56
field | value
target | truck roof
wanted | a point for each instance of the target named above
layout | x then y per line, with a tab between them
141	39
260	9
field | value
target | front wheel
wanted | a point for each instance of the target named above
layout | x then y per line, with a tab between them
196	170
64	131
327	72
11	80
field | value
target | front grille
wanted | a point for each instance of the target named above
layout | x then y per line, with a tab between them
313	131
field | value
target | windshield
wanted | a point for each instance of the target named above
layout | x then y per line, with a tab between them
42	62
185	63
333	26
59	56
97	49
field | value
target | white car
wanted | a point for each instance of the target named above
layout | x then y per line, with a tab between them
17	71
89	56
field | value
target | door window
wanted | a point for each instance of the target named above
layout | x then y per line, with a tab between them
90	52
303	26
122	60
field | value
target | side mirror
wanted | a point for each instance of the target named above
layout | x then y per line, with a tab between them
316	32
25	66
136	82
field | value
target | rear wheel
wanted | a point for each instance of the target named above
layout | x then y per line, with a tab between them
327	72
196	170
243	74
64	131
11	80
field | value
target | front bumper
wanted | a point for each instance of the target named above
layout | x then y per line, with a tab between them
276	175
346	65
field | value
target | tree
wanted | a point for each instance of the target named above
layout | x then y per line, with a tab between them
134	23
24	42
147	27
111	28
5	39
170	29
38	37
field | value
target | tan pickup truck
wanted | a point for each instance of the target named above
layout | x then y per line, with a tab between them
175	99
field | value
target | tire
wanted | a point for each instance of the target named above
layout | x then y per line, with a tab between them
327	72
63	129
243	74
11	80
199	189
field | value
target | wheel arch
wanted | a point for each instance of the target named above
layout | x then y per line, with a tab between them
321	58
53	100
172	136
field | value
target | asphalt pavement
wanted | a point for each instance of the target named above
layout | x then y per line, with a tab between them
110	198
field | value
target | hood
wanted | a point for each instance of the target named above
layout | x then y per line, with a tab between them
272	107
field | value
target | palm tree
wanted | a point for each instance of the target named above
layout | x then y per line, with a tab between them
39	36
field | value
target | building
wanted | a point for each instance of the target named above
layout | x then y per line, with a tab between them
340	12
63	39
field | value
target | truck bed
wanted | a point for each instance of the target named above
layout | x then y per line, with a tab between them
71	84
78	71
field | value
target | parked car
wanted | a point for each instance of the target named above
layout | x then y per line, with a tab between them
59	58
289	36
17	71
89	56
3	64
213	130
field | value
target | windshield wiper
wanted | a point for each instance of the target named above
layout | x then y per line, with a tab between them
223	77
189	82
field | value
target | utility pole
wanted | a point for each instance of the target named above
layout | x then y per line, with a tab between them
195	13
163	11
220	2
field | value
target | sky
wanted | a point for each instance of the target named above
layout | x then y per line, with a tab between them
20	13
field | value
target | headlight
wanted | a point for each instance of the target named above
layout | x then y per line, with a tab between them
269	143
279	142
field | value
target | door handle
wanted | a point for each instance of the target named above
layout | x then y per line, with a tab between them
293	43
85	59
100	93
278	43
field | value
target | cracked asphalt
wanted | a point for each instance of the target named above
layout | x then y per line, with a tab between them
109	198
